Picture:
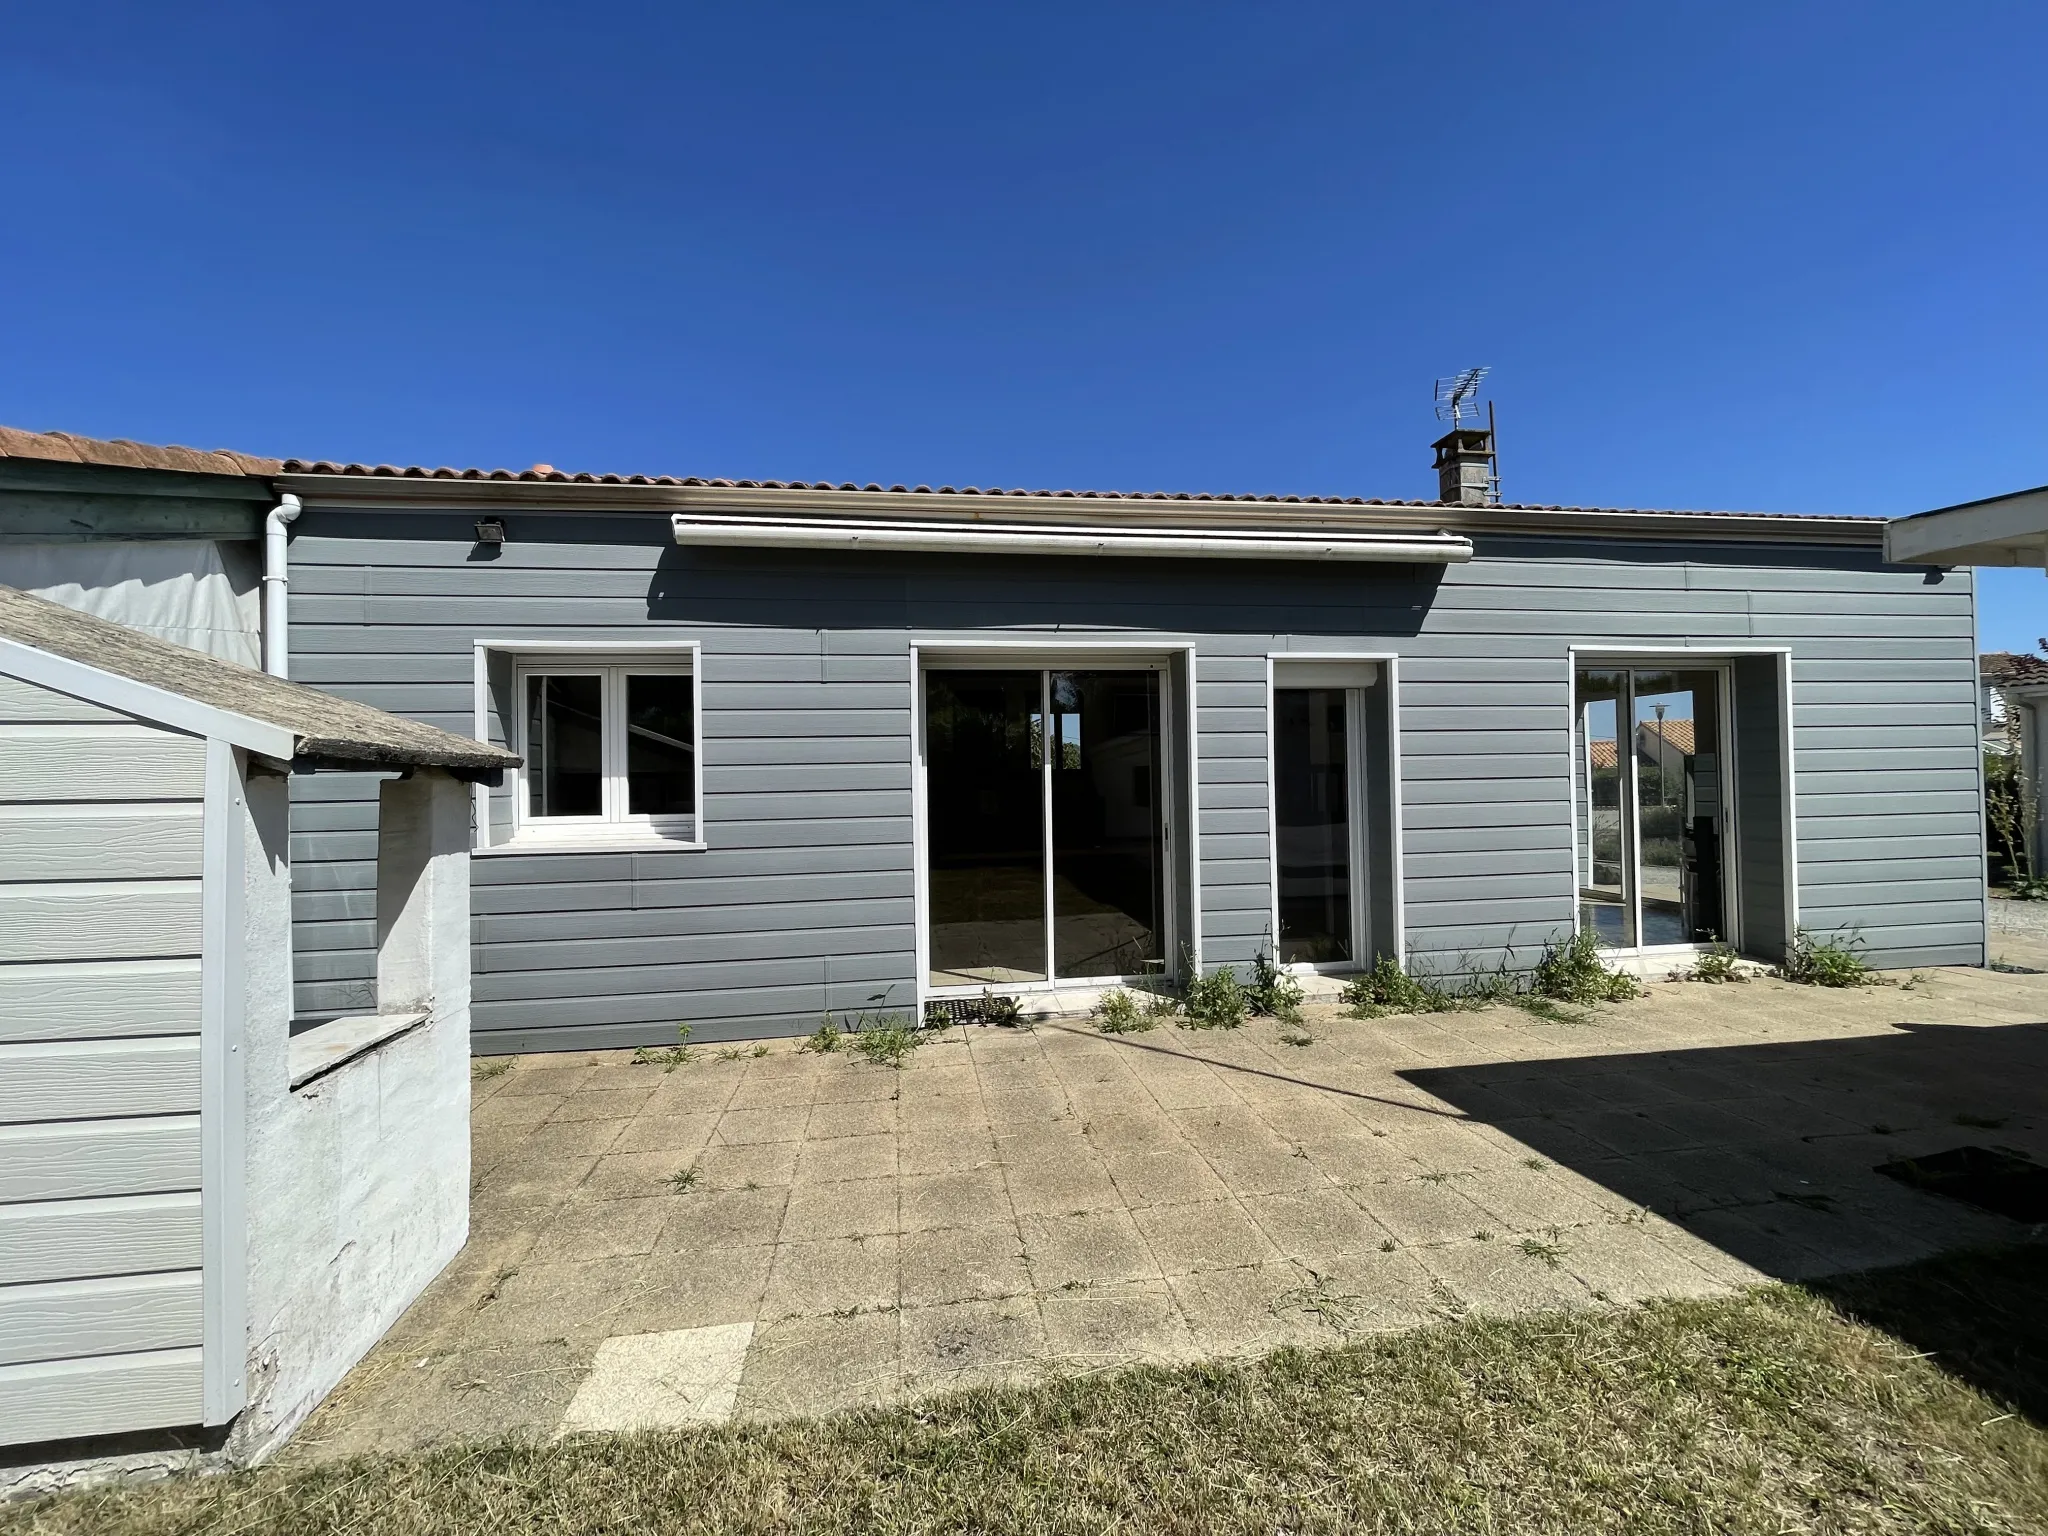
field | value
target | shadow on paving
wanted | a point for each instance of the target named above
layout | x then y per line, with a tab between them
1770	1152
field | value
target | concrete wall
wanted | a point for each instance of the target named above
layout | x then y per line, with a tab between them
804	900
100	1161
358	1182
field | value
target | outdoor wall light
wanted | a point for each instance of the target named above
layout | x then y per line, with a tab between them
490	530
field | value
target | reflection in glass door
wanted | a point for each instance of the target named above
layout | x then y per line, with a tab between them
1652	805
1316	826
1045	825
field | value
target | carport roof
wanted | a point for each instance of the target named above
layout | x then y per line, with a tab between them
100	660
1999	530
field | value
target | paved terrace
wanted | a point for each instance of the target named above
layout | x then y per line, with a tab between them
1022	1202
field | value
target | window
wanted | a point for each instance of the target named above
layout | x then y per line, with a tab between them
610	749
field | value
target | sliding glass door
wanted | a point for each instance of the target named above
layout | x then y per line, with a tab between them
1651	787
1045	825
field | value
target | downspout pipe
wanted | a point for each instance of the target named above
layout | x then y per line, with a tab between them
276	584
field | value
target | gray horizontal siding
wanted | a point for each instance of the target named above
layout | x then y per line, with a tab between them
804	900
99	1069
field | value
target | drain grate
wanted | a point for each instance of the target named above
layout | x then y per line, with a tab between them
989	1008
1990	1178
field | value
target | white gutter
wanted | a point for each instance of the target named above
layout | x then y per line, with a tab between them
1042	539
276	653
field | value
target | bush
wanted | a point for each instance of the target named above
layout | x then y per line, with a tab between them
1215	1001
1570	972
1273	992
1117	1014
1830	962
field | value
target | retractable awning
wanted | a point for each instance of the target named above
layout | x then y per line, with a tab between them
934	536
2001	530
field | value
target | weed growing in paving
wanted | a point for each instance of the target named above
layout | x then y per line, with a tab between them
824	1039
1296	1037
732	1053
1387	989
1716	966
1551	1252
1215	1001
1570	972
1273	992
484	1068
683	1179
667	1057
760	1051
887	1042
1118	1014
1832	962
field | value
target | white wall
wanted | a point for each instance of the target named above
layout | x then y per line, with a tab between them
358	1183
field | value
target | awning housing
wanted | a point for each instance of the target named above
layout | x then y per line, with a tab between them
942	537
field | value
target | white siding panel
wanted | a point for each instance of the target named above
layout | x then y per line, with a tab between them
143	919
158	1390
24	703
100	842
100	999
99	762
115	1315
99	1157
98	1079
78	1239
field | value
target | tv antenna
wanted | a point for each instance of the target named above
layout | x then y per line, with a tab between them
1457	400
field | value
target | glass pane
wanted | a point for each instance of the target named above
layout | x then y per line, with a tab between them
1107	866
564	746
1603	853
1312	813
661	753
1678	805
985	811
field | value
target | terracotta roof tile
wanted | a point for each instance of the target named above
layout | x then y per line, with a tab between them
85	450
69	448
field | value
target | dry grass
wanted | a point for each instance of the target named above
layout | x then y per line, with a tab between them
1771	1412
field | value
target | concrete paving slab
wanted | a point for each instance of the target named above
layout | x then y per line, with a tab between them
661	1380
1748	1113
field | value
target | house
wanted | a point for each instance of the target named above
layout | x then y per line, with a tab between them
798	749
207	1216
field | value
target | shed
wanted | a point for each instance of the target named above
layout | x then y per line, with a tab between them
205	1219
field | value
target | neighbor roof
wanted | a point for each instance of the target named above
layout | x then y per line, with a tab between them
322	727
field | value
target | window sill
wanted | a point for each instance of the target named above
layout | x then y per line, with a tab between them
625	842
319	1050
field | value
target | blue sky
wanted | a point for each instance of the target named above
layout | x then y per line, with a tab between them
1755	256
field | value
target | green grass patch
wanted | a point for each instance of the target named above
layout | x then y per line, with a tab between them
1814	1409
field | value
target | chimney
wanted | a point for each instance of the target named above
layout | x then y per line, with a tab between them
1464	467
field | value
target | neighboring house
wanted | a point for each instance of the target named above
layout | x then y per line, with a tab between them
207	1216
805	749
1999	674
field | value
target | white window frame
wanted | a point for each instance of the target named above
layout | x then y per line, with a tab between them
1699	658
615	827
1177	748
1356	674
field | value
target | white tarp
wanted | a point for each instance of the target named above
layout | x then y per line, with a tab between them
199	592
